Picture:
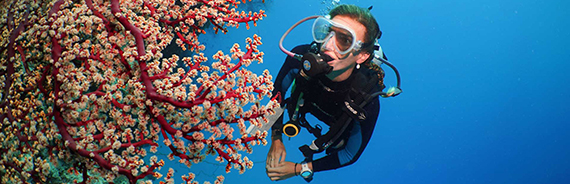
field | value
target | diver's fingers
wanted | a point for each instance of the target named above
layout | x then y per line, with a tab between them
283	154
279	158
269	172
275	178
268	161
275	170
274	162
274	159
272	174
271	158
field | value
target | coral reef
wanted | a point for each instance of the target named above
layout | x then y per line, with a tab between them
86	95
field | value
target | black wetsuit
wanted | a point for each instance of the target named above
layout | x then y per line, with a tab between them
324	106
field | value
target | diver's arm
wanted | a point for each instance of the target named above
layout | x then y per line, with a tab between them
282	83
359	137
277	150
276	154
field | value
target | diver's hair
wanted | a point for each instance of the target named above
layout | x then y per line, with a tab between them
363	16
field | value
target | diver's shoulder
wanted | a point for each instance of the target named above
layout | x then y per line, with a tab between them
303	48
369	80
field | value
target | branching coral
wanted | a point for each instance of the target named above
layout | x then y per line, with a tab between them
86	94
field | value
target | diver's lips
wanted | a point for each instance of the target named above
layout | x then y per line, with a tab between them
326	58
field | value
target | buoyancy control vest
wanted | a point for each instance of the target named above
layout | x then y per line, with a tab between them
335	104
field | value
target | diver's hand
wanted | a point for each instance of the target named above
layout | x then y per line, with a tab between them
276	154
282	171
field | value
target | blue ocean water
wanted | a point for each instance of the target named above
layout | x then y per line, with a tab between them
486	92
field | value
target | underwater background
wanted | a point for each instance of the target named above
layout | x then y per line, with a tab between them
485	92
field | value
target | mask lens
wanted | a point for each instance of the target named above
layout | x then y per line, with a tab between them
324	29
321	29
343	40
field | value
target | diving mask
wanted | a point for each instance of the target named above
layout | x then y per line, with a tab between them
325	29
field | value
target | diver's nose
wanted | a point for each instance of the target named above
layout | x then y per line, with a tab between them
328	45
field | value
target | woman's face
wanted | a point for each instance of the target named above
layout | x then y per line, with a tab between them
344	63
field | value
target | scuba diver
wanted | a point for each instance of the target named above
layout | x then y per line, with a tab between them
337	78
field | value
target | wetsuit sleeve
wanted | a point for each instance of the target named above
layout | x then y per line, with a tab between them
284	80
360	135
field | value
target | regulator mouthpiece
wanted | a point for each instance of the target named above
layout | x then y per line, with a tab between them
314	65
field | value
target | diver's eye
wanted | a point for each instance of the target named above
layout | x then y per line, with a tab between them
343	41
343	37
